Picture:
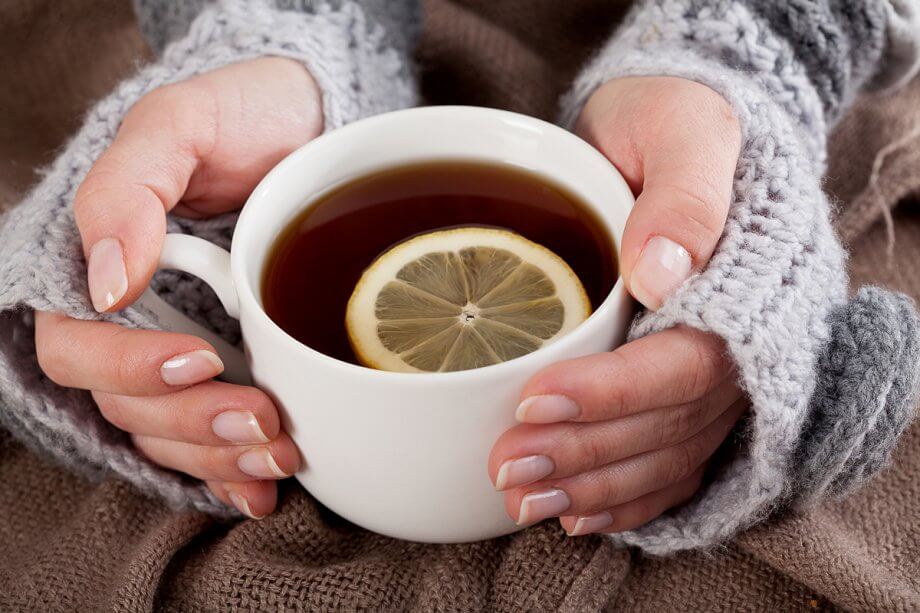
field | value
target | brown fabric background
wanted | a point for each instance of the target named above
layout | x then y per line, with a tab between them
67	544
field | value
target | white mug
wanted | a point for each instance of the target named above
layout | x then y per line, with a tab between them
402	454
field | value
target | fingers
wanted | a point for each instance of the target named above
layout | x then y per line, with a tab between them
212	413
254	499
278	459
679	151
227	434
670	368
635	513
614	484
530	452
106	357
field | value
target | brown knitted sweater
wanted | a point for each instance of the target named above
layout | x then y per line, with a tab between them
67	544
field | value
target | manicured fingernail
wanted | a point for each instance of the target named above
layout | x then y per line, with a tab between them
191	367
259	463
106	273
663	266
537	506
238	427
546	409
588	524
522	471
242	505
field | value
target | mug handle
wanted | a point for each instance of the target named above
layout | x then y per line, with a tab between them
211	264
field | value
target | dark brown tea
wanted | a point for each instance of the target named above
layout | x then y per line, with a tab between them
318	259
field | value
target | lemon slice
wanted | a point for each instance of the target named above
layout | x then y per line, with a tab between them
462	298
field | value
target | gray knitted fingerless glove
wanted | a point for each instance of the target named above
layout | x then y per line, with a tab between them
362	67
831	384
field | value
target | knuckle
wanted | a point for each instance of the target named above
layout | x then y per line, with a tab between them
711	106
725	118
143	444
691	418
110	410
96	182
731	123
160	100
683	460
709	365
149	193
643	511
689	488
615	393
589	450
126	370
605	490
694	483
710	350
192	114
124	373
56	340
675	424
698	209
212	461
699	380
190	422
218	489
186	110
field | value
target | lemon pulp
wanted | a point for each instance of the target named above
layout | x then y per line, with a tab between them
462	298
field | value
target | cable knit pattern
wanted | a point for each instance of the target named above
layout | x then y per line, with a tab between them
41	263
862	403
162	22
902	59
838	44
777	277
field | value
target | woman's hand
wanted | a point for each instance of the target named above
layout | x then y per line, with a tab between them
195	148
609	442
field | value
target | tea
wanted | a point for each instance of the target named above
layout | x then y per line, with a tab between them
319	257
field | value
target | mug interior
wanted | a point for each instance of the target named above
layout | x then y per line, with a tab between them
413	136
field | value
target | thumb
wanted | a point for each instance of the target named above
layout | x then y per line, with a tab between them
205	142
120	208
686	184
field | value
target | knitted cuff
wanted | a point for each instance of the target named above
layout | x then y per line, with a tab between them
902	59
344	49
777	275
864	398
41	263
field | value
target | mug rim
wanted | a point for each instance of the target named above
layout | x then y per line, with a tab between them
246	292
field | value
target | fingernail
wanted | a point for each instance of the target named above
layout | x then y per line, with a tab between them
242	505
588	524
191	367
523	471
663	266
546	409
106	274
259	463
238	427
537	506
